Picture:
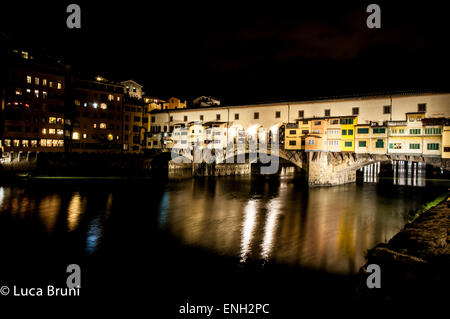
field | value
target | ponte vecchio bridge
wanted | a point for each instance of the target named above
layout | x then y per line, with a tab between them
330	138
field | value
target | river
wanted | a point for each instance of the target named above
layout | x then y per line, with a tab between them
228	222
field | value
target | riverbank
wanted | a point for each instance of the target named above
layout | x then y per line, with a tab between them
415	263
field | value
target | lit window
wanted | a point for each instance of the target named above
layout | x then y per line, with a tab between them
102	125
85	135
33	143
60	143
28	79
18	91
36	81
24	143
110	137
94	125
77	102
8	143
29	91
43	142
94	105
51	131
36	92
75	135
103	106
110	97
118	98
52	120
16	143
44	131
59	120
50	84
44	94
85	104
59	86
60	131
44	82
24	54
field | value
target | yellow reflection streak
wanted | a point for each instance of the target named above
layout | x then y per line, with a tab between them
74	211
48	211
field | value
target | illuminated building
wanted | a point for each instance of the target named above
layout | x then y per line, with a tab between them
135	125
33	104
446	140
174	103
97	117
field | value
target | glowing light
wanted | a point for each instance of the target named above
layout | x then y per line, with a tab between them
94	105
110	137
76	135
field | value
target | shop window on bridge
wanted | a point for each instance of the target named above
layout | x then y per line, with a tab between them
311	142
344	132
363	131
414	146
379	130
355	111
436	131
317	122
379	144
185	118
327	112
277	114
301	114
256	115
350	132
236	116
447	149
305	131
292	132
422	107
293	143
433	146
395	146
346	121
362	144
348	144
414	131
387	109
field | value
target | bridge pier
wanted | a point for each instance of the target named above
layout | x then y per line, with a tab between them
330	169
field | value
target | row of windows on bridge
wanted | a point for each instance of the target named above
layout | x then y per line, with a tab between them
387	109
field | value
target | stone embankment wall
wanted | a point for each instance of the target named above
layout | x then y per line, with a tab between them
203	169
415	263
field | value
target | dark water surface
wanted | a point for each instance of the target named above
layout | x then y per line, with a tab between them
200	239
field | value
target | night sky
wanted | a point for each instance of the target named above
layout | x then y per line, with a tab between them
243	52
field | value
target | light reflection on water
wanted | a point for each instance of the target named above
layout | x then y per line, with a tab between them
274	220
322	228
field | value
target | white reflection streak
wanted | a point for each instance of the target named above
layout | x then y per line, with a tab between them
248	229
2	195
270	228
